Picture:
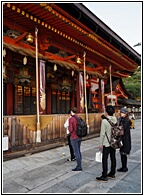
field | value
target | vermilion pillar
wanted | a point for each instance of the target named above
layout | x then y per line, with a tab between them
9	101
101	96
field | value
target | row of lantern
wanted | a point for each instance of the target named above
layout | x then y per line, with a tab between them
54	68
23	75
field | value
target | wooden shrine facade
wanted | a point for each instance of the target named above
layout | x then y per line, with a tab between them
73	51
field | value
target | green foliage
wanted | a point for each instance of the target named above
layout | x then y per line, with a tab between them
133	84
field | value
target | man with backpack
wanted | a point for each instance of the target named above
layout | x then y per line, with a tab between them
75	140
105	135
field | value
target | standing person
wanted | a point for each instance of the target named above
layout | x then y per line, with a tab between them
66	125
126	148
105	146
132	119
75	140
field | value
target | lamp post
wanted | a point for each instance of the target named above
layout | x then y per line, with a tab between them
138	44
38	135
84	55
29	39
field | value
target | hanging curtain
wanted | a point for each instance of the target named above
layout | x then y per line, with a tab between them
42	87
81	90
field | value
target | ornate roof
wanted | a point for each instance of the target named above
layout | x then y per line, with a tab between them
70	29
118	87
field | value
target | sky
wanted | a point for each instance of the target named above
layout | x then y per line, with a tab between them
124	18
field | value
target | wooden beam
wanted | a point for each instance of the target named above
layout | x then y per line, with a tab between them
69	57
21	44
44	46
11	25
21	37
90	69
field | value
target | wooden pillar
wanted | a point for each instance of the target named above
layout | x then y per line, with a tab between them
9	99
72	104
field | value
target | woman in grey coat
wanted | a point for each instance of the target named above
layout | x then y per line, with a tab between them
126	148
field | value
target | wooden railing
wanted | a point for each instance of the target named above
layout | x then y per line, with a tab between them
21	130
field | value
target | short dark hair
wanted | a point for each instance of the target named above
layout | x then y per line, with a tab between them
110	110
69	111
74	109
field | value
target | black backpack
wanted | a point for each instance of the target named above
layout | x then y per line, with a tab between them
116	134
81	130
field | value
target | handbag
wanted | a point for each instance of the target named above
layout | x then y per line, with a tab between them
98	156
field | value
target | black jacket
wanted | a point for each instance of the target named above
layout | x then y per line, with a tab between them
126	148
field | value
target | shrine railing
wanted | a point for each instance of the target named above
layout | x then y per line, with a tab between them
21	131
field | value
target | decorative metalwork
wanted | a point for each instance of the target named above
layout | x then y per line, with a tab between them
23	77
50	76
65	85
13	34
62	53
91	65
6	72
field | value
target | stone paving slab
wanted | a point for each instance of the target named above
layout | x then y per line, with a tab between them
88	176
10	186
130	183
49	172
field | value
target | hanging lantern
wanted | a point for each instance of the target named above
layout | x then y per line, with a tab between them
55	67
78	60
72	73
29	38
25	60
4	72
111	99
105	71
4	52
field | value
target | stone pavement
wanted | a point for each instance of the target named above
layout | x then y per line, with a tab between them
50	172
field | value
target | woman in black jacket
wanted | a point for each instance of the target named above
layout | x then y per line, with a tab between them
126	148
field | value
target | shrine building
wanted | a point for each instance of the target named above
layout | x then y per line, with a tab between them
57	56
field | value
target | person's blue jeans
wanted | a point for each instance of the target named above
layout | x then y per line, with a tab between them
76	143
